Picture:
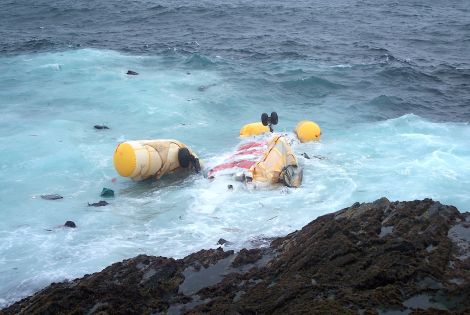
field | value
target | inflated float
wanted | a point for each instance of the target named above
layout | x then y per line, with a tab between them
263	156
142	159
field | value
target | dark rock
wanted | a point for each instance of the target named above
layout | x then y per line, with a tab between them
51	197
100	127
102	203
70	224
106	192
305	155
155	279
246	256
356	205
346	262
205	258
230	187
222	241
130	72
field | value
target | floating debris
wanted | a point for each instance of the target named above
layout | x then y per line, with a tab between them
107	193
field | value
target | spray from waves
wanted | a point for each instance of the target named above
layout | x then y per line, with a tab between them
385	107
199	62
311	83
404	158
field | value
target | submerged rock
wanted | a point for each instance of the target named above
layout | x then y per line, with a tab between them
51	197
203	88
348	262
100	127
102	203
130	72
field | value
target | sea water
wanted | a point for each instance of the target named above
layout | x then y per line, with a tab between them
394	123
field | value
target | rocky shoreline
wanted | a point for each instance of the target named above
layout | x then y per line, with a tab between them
372	258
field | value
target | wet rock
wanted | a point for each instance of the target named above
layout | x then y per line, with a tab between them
100	127
347	262
130	72
246	256
107	291
70	224
356	204
51	197
205	258
101	203
459	234
305	155
222	241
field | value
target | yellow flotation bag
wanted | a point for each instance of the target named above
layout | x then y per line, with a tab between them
307	131
141	159
136	159
253	129
270	169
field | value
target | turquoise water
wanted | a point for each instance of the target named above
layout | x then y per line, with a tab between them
49	103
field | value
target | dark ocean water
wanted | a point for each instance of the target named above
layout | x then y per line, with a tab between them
411	56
